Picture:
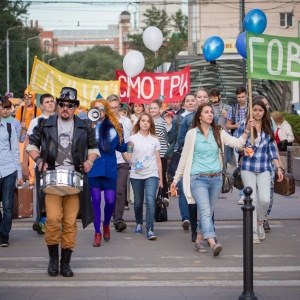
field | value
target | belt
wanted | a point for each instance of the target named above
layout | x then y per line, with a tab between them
211	174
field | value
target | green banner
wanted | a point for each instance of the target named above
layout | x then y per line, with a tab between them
273	57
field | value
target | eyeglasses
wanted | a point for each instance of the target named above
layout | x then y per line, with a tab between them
29	96
68	105
114	107
67	95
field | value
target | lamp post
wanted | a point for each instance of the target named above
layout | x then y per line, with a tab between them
49	60
27	58
45	54
7	57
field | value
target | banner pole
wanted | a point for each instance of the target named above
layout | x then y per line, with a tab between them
250	110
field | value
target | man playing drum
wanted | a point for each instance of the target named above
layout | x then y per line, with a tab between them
61	205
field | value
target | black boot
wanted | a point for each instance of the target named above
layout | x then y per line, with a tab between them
53	262
65	269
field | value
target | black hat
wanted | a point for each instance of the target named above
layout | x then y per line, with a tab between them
68	94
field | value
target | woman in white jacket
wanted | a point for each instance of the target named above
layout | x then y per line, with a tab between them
201	168
284	130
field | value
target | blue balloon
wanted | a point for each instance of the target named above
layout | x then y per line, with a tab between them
255	21
213	48
241	44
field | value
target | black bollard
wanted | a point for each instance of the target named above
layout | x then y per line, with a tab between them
248	209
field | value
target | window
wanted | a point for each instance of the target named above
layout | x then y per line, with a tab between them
286	20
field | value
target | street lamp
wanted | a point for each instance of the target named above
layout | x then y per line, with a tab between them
45	54
27	58
7	58
51	60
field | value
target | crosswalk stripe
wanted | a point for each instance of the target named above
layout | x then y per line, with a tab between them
161	227
155	270
161	283
128	258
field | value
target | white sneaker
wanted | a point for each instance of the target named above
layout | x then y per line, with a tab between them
185	224
255	238
261	231
241	201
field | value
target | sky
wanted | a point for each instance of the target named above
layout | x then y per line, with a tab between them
78	14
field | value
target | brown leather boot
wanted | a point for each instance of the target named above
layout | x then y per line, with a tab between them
97	240
106	233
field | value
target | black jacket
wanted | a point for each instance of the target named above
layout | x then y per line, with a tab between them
45	135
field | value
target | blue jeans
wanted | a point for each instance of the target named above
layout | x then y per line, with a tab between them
7	186
228	154
148	188
182	202
206	191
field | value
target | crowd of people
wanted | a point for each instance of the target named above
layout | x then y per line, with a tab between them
119	151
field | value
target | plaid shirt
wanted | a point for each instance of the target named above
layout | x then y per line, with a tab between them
263	156
240	115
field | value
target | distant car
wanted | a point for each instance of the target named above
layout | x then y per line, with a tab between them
297	107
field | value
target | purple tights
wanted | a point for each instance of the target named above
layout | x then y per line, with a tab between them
110	198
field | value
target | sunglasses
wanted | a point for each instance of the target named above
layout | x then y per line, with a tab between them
101	108
68	105
29	96
67	95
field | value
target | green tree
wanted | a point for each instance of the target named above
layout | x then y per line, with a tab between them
12	14
175	40
97	63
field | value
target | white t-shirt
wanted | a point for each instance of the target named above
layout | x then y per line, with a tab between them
34	122
143	161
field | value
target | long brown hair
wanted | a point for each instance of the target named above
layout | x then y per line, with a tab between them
215	128
111	116
266	120
136	127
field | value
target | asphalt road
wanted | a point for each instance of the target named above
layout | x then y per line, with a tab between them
131	267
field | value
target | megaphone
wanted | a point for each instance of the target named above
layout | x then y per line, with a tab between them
94	114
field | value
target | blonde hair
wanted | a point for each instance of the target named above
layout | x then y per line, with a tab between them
111	116
278	117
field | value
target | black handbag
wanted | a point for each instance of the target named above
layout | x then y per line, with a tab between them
161	214
238	182
174	164
228	179
282	145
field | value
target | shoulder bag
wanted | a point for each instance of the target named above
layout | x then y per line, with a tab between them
228	179
161	214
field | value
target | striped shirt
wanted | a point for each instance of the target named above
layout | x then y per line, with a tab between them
263	156
161	131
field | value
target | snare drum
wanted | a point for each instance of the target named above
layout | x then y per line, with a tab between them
61	182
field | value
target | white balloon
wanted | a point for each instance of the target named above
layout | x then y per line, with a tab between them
133	63
153	38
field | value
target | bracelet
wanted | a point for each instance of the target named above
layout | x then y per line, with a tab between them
38	161
247	132
37	158
90	162
282	169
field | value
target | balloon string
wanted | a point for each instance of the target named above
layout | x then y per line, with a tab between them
129	94
156	54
